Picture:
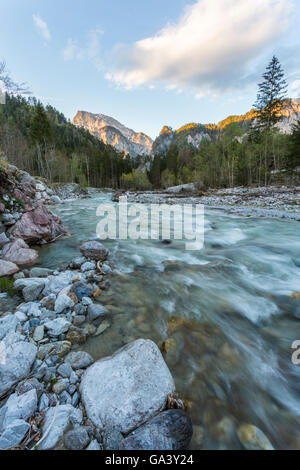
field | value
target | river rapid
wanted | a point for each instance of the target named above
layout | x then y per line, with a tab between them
224	316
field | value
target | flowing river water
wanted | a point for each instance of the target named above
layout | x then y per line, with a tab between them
225	314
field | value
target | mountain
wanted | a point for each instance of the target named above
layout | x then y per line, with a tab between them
193	133
112	132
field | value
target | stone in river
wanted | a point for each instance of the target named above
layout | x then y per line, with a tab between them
170	430
133	384
94	250
79	359
252	438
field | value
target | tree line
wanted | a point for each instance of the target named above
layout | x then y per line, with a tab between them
43	142
233	154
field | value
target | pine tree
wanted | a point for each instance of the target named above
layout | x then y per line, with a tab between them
271	95
40	129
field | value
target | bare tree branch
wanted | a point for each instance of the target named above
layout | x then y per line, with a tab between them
9	85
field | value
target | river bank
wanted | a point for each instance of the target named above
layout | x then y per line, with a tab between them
272	201
196	308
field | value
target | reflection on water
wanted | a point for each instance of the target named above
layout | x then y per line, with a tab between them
224	317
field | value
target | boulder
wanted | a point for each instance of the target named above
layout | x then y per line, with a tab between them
79	359
14	434
58	419
31	288
133	385
94	250
19	252
37	225
7	268
18	407
18	362
30	384
2	208
55	284
170	430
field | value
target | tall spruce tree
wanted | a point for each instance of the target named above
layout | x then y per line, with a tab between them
271	95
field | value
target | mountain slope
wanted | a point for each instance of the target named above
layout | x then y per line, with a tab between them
112	132
193	133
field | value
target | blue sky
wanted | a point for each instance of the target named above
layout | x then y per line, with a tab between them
150	63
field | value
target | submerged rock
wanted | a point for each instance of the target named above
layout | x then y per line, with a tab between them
170	430
133	384
252	438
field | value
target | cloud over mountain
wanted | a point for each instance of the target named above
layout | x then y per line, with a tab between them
208	50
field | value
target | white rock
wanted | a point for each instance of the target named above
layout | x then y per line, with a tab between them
14	434
62	302
38	334
58	419
7	268
19	407
133	385
18	362
8	324
58	326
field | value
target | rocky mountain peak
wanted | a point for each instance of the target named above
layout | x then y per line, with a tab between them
112	132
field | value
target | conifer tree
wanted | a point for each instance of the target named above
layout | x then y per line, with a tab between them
271	94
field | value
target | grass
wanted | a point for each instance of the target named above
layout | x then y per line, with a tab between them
7	285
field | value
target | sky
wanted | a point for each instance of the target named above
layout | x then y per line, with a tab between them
149	63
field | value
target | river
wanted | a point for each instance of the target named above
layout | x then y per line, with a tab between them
227	313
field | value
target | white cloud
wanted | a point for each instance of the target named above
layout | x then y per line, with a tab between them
295	89
209	49
42	27
91	50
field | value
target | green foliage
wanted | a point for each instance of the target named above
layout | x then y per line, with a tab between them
294	147
7	285
136	180
44	143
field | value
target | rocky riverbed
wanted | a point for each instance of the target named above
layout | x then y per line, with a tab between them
271	201
50	394
67	315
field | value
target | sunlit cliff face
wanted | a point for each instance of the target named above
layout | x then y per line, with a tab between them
112	132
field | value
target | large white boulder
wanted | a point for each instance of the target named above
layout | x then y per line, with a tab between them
7	268
125	390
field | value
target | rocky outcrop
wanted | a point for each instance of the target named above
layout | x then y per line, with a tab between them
112	132
133	385
24	219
